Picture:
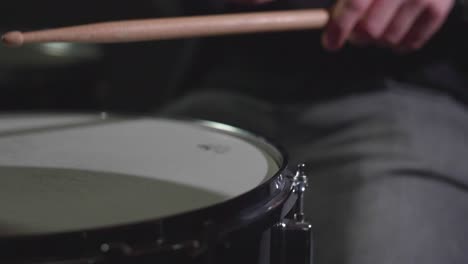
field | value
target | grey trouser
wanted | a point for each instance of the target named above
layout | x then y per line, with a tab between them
388	169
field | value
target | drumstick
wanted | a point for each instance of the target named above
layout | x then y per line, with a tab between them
172	28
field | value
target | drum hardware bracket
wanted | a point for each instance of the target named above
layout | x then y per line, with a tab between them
291	239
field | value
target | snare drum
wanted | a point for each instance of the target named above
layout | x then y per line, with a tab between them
88	189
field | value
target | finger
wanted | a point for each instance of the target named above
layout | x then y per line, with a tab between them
378	17
373	25
402	22
344	18
427	24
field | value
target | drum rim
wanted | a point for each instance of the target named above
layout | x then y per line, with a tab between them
281	157
275	150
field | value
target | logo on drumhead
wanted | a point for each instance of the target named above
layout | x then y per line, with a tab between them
218	149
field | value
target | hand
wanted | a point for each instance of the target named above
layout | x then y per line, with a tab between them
403	25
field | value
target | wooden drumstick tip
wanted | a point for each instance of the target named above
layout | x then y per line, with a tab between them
13	39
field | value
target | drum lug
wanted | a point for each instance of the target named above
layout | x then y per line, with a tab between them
291	239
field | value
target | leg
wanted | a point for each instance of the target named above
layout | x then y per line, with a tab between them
388	172
389	177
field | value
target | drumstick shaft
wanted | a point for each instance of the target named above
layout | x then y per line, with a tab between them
173	28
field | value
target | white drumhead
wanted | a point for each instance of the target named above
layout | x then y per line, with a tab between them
61	173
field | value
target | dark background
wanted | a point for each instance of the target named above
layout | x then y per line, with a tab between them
134	77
